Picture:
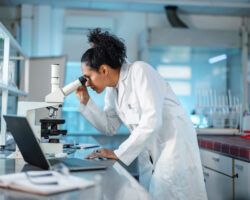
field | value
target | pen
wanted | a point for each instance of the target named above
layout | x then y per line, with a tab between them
39	175
80	147
33	179
88	147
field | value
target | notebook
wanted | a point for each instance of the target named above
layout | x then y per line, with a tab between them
43	182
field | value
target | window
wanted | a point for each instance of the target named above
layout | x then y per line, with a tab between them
191	69
75	122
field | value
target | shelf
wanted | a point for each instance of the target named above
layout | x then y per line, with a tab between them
218	131
4	33
13	90
11	50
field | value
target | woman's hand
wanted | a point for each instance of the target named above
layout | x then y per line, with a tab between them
82	94
102	153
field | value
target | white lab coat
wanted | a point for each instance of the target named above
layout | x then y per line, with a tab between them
162	135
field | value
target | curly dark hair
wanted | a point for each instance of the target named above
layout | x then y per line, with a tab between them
107	49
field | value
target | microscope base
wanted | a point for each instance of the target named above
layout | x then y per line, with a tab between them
52	148
15	155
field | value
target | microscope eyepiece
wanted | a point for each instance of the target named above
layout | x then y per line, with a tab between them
57	94
82	79
73	85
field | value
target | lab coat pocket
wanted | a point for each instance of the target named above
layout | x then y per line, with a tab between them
132	117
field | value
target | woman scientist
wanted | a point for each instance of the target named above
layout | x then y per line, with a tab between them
162	135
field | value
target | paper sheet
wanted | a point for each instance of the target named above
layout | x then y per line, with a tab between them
43	182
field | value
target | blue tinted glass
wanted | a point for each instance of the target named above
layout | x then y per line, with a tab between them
75	122
193	69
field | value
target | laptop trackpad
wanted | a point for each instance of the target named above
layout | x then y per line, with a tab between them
75	164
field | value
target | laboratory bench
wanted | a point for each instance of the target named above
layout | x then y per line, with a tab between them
226	166
111	184
232	146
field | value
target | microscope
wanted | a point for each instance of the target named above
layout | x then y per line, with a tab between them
48	133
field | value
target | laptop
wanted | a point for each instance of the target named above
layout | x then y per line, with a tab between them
32	152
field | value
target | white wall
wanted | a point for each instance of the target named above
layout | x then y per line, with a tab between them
43	32
125	27
213	22
128	25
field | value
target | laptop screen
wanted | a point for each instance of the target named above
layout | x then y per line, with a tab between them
26	141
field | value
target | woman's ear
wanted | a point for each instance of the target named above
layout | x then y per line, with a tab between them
104	69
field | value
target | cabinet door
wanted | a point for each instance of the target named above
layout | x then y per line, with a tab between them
217	162
242	181
218	186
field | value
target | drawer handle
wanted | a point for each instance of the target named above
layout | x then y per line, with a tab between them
216	159
239	167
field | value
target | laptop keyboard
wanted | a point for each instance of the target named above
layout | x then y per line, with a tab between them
70	162
54	161
75	164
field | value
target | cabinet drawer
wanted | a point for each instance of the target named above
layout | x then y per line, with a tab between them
217	162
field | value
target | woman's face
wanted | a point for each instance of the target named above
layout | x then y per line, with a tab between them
95	79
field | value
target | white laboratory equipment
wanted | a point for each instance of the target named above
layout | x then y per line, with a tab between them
219	114
48	132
